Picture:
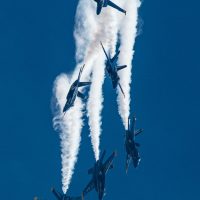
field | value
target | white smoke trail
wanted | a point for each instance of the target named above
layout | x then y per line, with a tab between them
89	31
128	33
95	28
69	128
94	106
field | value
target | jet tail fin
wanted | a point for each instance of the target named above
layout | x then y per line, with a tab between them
115	57
81	95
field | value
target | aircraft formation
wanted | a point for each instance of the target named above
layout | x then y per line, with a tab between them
101	167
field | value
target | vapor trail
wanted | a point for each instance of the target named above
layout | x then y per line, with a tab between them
68	128
127	33
90	29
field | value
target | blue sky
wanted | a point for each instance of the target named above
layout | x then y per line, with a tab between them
36	44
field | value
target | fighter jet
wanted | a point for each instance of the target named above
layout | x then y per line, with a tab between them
60	196
131	145
73	92
112	69
105	3
98	172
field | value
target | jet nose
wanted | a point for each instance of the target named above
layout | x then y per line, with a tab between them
66	107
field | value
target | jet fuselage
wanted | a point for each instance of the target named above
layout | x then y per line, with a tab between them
99	179
71	96
131	148
111	68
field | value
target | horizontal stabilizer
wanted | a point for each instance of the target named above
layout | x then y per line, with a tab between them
121	67
81	84
81	95
110	3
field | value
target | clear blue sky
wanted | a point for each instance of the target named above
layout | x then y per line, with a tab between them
36	44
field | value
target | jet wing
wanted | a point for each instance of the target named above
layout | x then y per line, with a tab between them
80	72
105	52
108	164
110	3
81	84
88	188
57	194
